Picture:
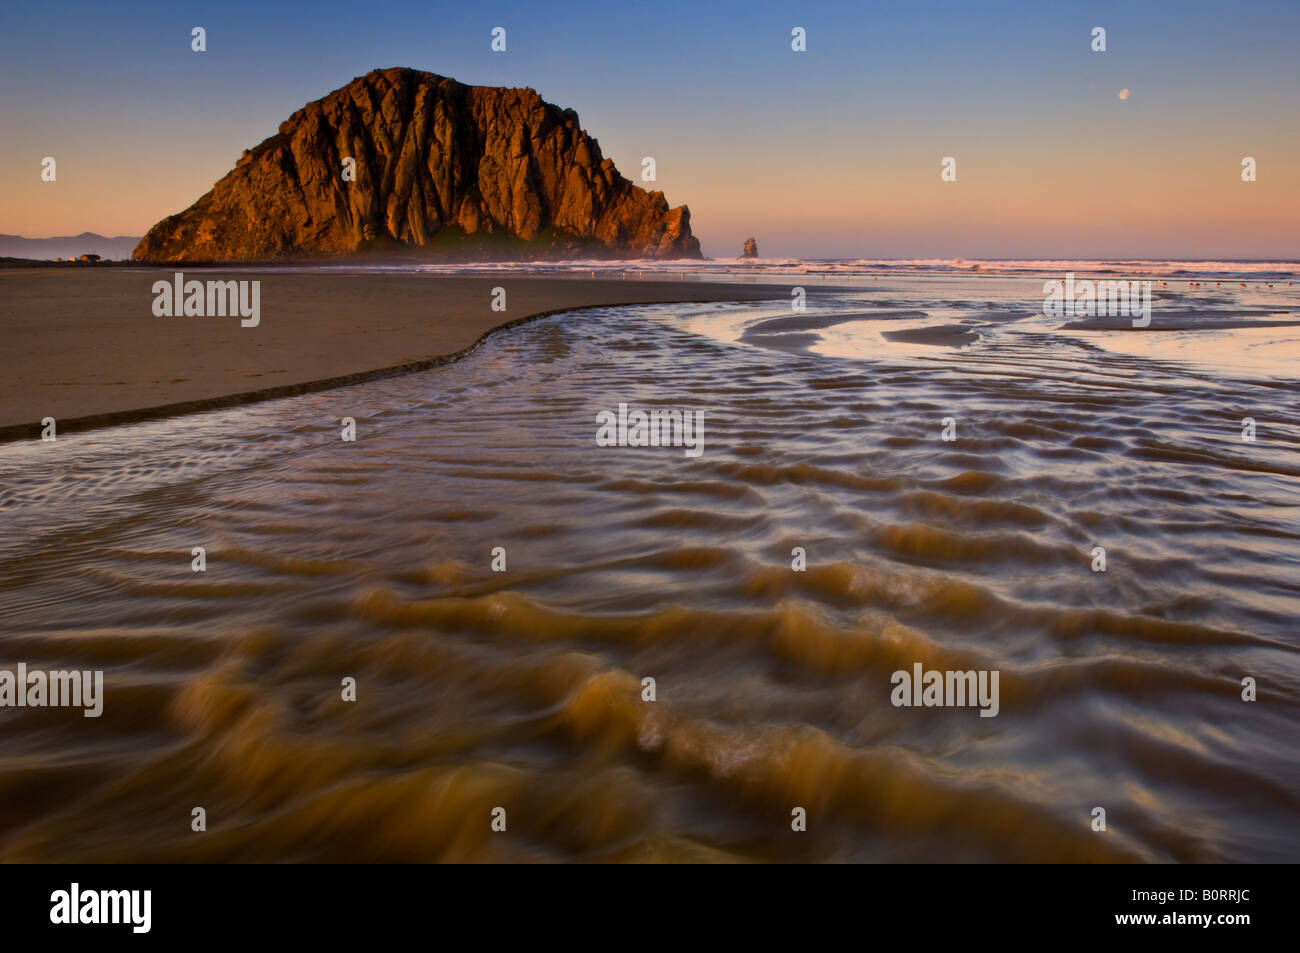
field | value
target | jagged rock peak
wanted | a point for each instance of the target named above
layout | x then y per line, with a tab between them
436	168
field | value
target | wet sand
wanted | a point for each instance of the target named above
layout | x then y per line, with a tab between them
83	345
944	335
521	686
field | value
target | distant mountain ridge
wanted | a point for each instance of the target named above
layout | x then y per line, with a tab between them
441	169
67	246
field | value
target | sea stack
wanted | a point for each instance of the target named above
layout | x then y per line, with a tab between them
406	162
751	248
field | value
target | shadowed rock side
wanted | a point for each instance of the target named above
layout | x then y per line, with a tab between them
442	169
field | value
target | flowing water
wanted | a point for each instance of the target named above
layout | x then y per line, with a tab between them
523	689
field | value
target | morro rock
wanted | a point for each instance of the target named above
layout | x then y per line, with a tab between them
438	168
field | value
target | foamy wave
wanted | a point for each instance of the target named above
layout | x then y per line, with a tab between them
714	267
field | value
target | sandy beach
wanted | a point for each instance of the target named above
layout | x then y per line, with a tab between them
84	346
499	582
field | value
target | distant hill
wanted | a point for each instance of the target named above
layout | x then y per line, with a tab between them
67	246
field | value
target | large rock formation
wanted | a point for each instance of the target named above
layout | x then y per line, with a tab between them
441	169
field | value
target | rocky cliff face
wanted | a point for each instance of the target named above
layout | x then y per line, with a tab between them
440	168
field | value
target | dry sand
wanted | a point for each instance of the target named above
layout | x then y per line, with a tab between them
83	345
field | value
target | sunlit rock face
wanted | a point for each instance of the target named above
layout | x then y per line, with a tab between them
438	168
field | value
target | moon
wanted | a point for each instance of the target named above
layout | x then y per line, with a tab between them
1123	94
